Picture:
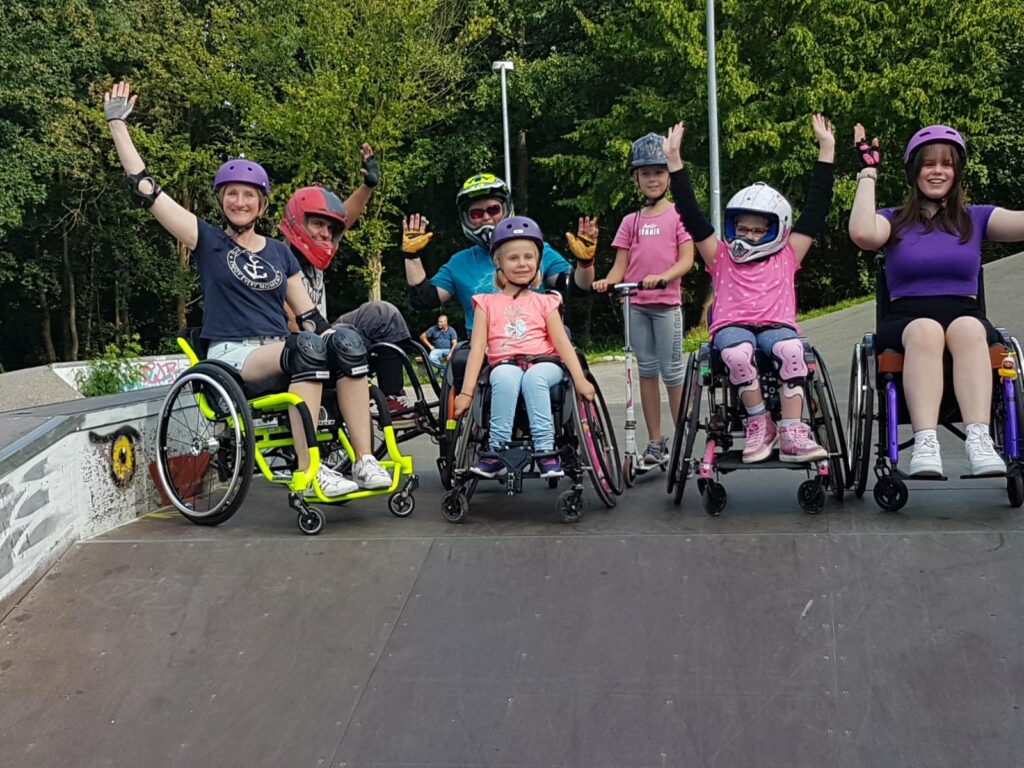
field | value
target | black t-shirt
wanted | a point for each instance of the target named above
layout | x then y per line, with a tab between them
243	292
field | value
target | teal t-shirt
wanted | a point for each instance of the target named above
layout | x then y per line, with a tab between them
471	271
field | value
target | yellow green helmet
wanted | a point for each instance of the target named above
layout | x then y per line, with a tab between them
482	185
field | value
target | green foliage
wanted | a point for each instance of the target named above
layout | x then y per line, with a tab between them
114	370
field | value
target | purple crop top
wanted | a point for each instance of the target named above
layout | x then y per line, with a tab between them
935	263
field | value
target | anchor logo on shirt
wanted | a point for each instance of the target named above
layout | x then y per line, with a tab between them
256	273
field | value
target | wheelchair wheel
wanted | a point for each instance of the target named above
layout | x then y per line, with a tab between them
686	431
830	429
455	505
596	438
891	494
446	438
401	503
311	521
570	506
1015	491
713	498
205	445
860	417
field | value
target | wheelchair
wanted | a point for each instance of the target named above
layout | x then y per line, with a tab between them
584	441
215	430
707	379
876	381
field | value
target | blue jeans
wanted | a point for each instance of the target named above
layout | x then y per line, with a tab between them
535	383
764	340
439	357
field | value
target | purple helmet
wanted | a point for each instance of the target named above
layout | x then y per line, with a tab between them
517	228
933	134
242	171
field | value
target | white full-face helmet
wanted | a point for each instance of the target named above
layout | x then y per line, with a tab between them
760	200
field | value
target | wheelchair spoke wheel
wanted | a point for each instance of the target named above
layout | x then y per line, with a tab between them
680	463
860	417
596	438
838	462
205	445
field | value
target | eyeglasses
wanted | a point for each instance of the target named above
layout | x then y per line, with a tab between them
477	214
755	232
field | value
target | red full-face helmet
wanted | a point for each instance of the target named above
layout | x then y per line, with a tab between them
313	201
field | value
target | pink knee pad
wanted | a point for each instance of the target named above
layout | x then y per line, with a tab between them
790	355
740	362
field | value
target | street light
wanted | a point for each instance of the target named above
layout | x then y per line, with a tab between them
503	67
716	189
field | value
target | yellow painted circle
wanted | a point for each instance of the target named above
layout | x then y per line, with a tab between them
122	457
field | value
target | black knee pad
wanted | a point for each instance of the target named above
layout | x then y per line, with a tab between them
304	357
346	354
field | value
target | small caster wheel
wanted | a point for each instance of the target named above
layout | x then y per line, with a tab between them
1015	490
890	494
629	471
312	521
811	496
454	506
713	498
552	482
570	506
446	476
401	503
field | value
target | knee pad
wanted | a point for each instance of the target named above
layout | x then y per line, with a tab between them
304	357
789	354
346	354
789	389
739	360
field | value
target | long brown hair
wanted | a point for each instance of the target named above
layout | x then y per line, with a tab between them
952	216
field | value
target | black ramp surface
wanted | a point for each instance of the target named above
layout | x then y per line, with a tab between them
818	650
174	654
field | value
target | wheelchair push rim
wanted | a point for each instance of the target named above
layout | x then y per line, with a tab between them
205	446
597	442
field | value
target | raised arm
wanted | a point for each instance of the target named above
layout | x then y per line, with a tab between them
422	293
355	203
819	193
686	202
118	103
584	247
868	230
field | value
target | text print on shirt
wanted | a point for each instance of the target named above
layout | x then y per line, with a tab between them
255	273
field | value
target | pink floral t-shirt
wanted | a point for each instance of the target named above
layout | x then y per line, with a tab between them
653	245
756	293
517	326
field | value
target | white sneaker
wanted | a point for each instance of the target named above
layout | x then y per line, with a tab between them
982	455
925	461
332	483
370	475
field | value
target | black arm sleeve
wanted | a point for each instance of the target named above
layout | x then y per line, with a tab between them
686	204
424	296
819	200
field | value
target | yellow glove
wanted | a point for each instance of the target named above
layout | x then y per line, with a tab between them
582	247
414	233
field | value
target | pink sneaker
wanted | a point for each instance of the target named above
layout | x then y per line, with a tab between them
759	438
797	445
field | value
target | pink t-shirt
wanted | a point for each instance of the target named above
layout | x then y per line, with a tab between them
756	293
653	245
517	326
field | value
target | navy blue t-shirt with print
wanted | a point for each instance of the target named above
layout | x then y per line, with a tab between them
243	292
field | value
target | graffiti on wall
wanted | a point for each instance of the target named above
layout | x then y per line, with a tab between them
159	373
119	449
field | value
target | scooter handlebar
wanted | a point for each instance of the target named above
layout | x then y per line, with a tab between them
623	287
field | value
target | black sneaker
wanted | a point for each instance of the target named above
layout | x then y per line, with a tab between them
654	454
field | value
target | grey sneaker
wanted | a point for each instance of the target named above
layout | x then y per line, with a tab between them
370	474
333	484
654	453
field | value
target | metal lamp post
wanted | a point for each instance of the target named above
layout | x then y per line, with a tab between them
716	189
504	67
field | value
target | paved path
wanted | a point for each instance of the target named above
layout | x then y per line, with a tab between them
647	635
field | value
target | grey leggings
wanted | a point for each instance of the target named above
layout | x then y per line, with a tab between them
656	333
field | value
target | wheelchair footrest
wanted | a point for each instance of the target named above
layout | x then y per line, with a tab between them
733	460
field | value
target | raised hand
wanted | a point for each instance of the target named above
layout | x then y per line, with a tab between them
584	243
370	169
823	131
868	155
414	233
672	145
118	102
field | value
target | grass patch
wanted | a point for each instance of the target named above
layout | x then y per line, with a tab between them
846	304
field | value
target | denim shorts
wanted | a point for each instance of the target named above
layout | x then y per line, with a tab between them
234	353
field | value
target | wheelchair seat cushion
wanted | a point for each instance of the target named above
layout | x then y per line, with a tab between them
942	309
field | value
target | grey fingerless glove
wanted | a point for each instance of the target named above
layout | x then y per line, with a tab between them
117	108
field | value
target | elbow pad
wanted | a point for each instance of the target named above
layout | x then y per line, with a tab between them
424	296
312	321
686	204
142	199
818	202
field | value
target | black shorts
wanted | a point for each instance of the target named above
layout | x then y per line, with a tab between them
942	309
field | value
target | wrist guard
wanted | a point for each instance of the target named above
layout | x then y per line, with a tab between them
312	321
142	198
867	155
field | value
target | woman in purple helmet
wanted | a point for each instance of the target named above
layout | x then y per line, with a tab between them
932	248
246	279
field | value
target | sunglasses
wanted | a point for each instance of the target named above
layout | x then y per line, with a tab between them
477	214
755	232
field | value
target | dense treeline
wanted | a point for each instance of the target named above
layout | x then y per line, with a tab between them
299	84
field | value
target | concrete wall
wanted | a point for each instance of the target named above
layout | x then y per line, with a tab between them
91	479
157	371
